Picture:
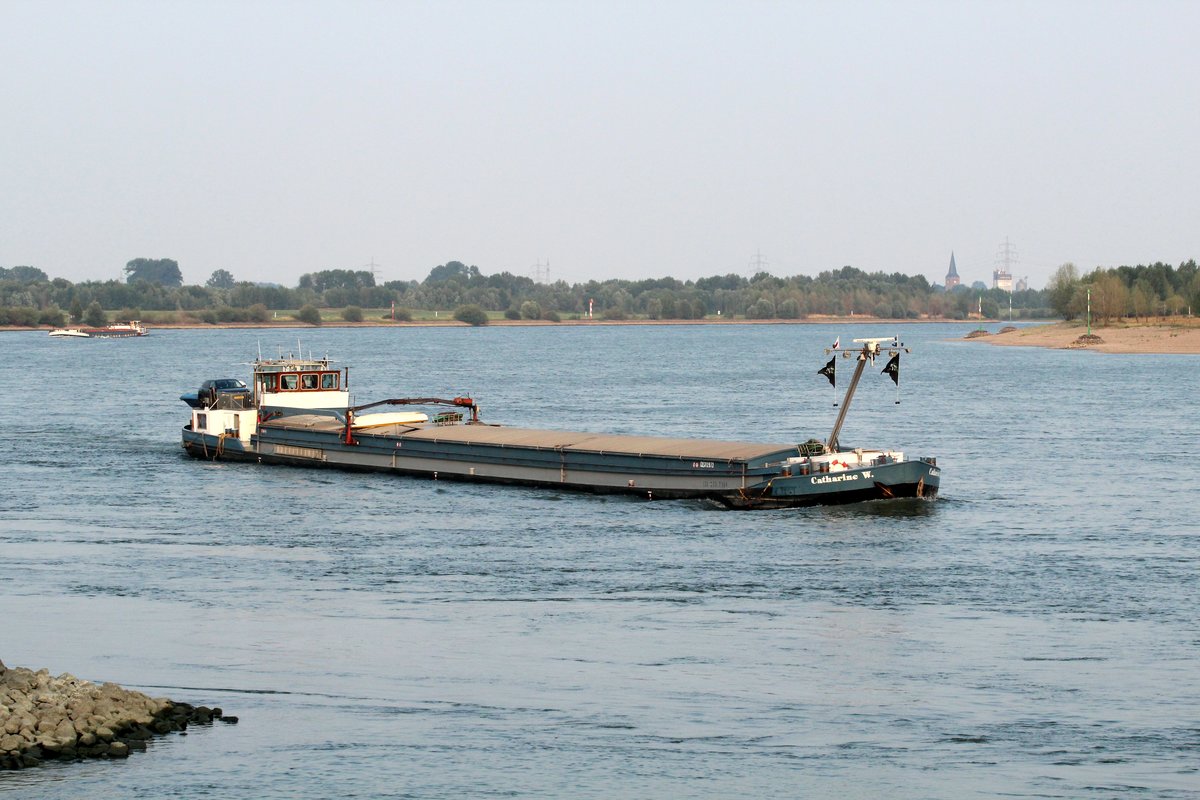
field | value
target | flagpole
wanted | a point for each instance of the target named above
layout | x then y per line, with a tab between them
893	370
830	372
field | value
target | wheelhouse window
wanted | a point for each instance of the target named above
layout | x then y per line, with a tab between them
329	380
201	422
288	382
308	380
268	383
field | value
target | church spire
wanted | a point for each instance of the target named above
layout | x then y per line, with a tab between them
952	275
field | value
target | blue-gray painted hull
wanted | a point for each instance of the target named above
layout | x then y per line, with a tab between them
918	478
736	483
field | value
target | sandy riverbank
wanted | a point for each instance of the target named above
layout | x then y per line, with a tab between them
1178	337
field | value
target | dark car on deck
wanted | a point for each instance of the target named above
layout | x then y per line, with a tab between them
212	390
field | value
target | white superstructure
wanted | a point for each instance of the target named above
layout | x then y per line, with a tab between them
299	383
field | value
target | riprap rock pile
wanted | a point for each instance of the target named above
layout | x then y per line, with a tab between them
43	717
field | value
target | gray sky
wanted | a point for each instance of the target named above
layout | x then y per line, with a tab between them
609	139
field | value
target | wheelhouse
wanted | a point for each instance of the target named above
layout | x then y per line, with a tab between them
288	385
317	380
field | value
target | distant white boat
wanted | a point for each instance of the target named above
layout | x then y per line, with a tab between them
118	330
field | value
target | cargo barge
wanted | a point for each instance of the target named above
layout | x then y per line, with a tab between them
297	411
117	330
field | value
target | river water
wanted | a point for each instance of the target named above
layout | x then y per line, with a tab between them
1032	633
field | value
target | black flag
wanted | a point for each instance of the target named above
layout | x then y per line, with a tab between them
893	369
828	370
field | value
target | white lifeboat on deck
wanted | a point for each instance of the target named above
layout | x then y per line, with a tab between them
388	418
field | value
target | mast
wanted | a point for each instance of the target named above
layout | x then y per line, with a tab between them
837	426
870	349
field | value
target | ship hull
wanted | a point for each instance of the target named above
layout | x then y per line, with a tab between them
732	474
906	479
106	333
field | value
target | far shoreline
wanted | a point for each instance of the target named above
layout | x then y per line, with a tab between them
449	322
1180	336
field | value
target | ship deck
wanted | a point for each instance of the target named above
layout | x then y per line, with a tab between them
564	441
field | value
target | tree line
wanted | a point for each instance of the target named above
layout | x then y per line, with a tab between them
153	290
1139	293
